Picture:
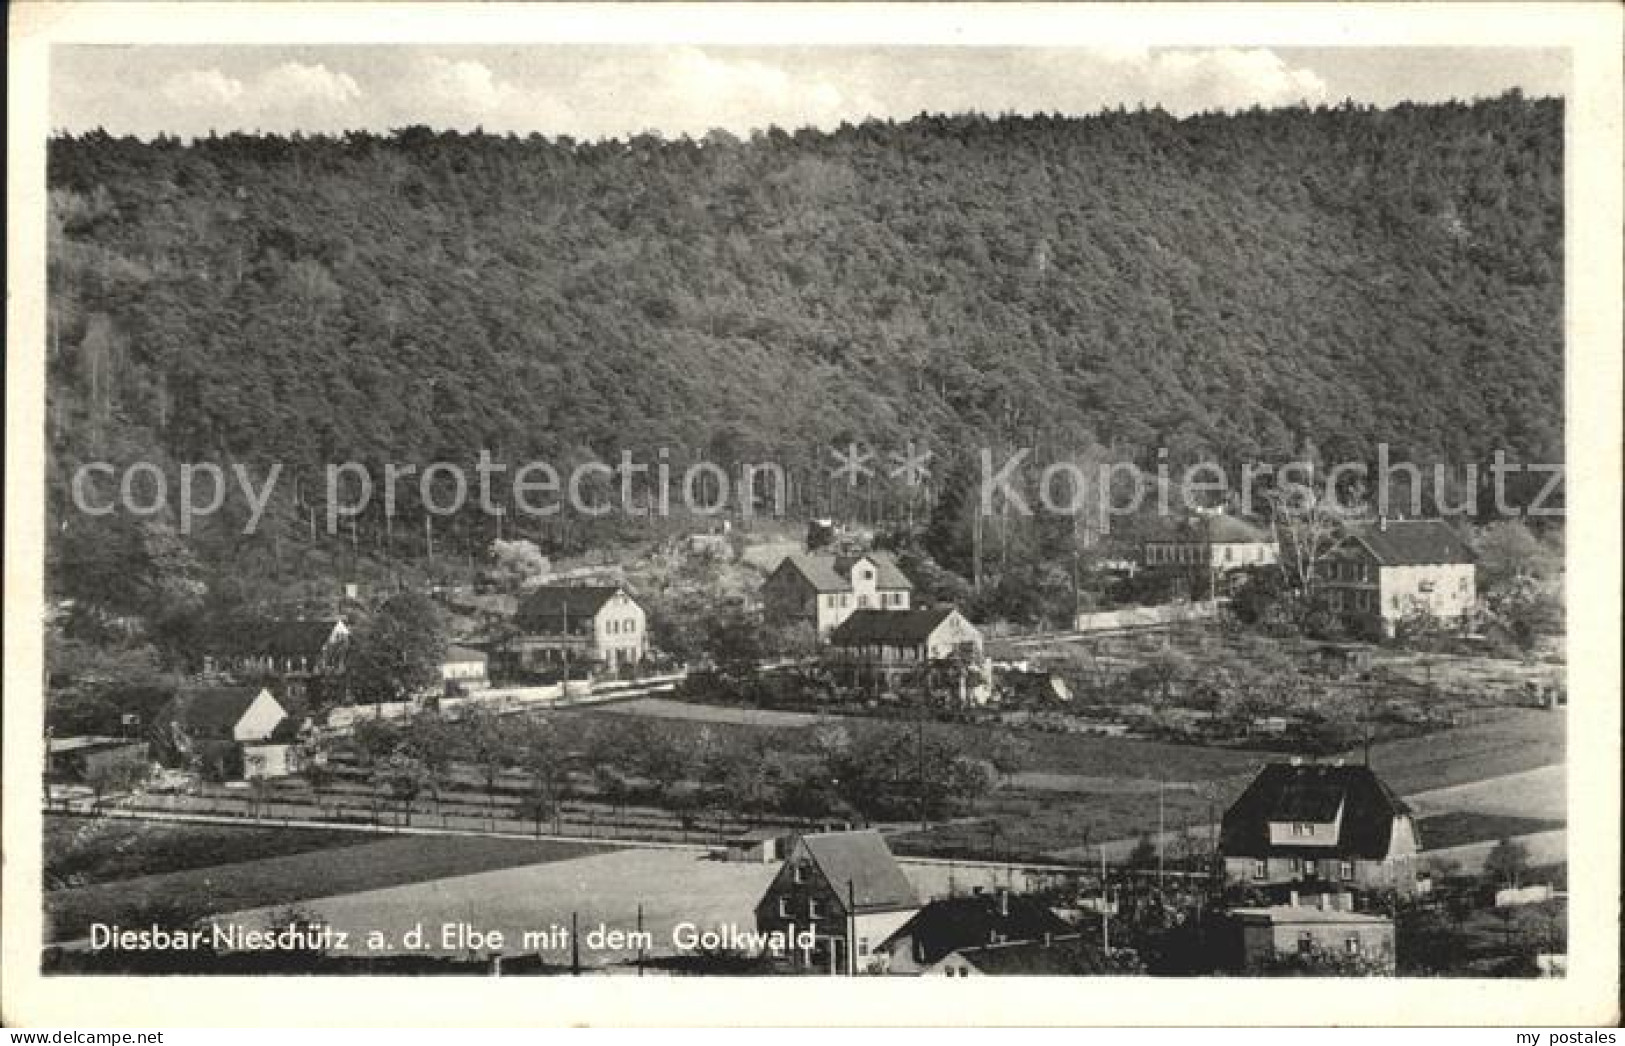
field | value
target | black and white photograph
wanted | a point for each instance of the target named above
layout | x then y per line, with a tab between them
669	509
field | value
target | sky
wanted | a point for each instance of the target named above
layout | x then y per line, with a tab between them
591	92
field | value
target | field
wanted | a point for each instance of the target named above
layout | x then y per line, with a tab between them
603	890
83	851
1460	827
1508	741
1077	792
372	863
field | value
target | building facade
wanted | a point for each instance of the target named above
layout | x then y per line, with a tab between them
824	590
277	649
1311	826
848	889
885	647
1380	573
1328	930
1214	542
594	626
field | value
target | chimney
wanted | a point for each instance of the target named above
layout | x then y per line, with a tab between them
1382	524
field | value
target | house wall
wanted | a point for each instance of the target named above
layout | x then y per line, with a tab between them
262	717
620	631
1446	590
268	761
1397	872
1262	941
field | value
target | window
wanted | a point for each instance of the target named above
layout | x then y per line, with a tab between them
784	907
1346	870
1261	869
863	601
863	946
1424	586
798	873
1306	943
1352	945
1296	865
1311	868
867	575
812	908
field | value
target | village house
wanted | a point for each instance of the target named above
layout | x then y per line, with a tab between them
1210	541
291	651
887	647
824	590
1383	571
598	626
1328	928
212	727
973	921
848	889
1306	826
463	669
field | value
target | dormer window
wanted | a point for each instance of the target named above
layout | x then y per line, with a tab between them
866	574
798	873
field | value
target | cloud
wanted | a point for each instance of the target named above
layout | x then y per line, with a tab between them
1231	79
292	95
463	86
294	85
202	88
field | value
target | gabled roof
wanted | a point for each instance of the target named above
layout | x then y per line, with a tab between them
870	626
1216	529
210	712
863	859
1312	792
270	637
549	605
1410	542
462	654
829	573
953	923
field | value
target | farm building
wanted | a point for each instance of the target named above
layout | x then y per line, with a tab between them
1328	929
974	921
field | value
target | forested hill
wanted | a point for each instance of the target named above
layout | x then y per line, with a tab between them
1224	285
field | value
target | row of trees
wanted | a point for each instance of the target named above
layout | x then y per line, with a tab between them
869	772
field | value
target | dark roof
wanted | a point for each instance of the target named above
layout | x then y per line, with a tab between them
209	712
262	637
546	607
863	859
1407	542
1218	529
954	923
1070	955
1313	792
458	654
869	626
829	573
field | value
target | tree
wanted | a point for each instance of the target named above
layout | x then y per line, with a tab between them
487	744
397	653
537	750
1306	525
518	563
1507	862
403	777
1509	554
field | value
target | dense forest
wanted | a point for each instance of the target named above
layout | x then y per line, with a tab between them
1228	287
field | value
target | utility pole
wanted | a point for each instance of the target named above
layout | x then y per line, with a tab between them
640	938
920	748
851	931
1161	836
575	946
1105	917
